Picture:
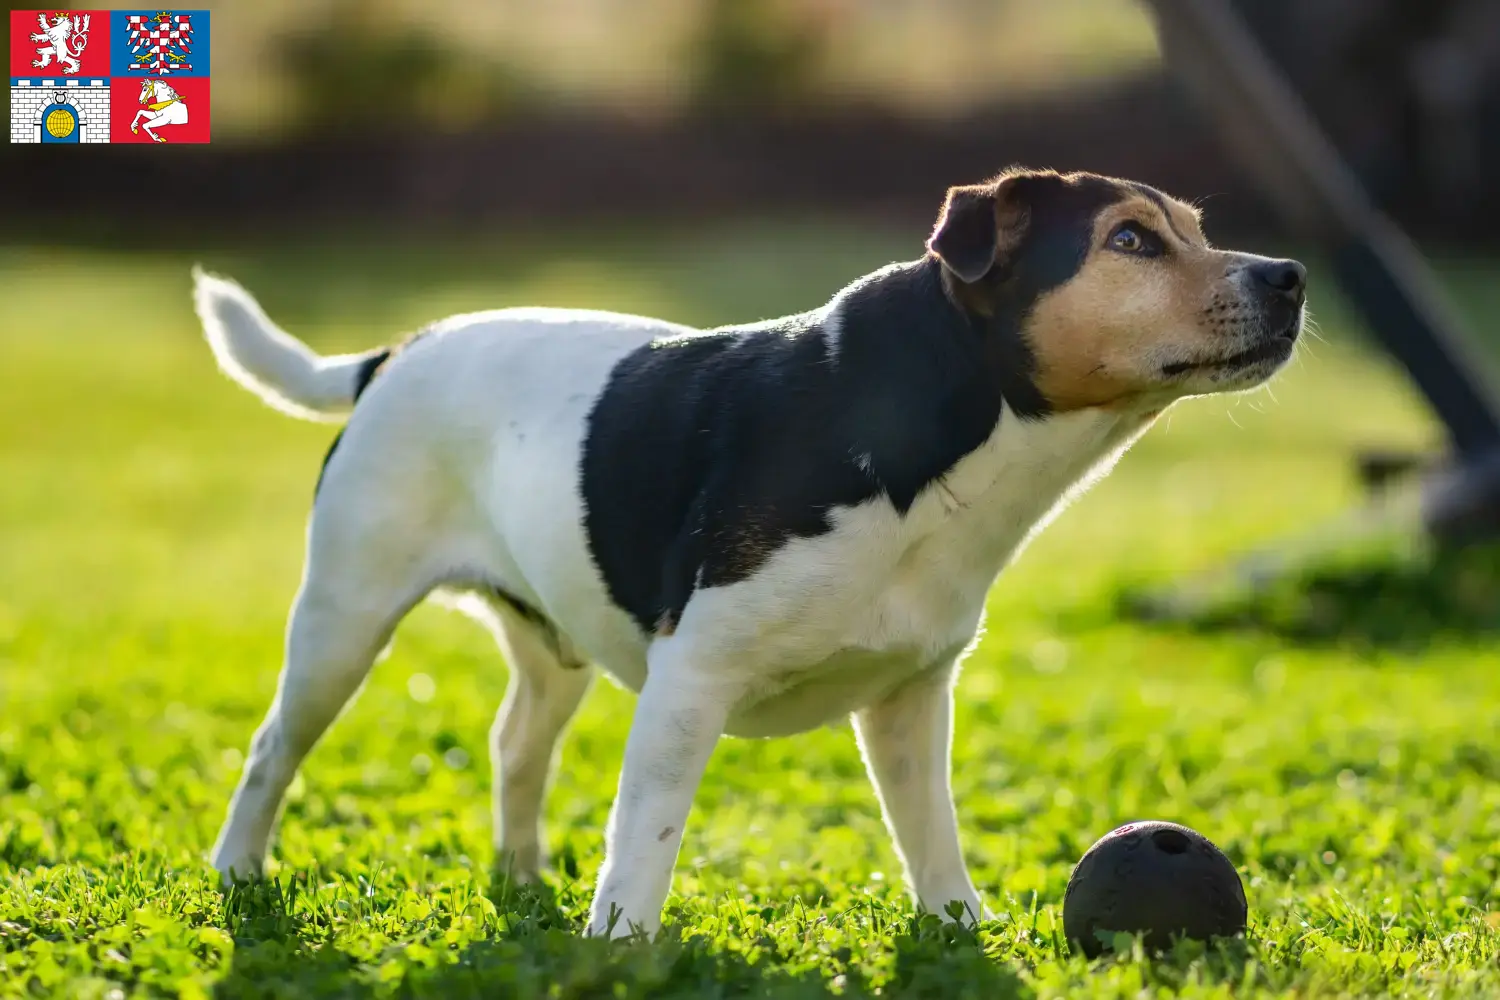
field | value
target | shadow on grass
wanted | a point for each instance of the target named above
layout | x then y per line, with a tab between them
939	960
1187	963
283	947
276	949
1388	601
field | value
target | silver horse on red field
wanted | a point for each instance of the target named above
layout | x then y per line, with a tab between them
163	106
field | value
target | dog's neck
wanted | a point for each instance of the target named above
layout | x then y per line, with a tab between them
921	383
924	382
909	306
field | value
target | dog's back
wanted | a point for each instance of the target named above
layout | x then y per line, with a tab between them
469	433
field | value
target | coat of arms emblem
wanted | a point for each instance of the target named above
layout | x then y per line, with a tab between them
66	36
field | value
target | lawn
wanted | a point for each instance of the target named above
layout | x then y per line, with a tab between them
151	518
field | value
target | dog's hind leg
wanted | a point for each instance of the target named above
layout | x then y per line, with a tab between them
357	586
547	682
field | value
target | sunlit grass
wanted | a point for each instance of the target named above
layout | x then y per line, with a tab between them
151	519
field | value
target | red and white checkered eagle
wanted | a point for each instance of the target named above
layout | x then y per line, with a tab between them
160	43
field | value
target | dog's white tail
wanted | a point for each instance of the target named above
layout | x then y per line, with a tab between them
277	367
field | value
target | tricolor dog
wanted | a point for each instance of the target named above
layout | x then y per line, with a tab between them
760	529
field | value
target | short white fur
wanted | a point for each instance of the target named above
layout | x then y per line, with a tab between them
460	469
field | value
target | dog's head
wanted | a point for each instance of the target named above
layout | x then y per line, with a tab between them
1110	291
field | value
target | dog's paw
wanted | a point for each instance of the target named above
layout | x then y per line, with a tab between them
621	930
522	866
237	869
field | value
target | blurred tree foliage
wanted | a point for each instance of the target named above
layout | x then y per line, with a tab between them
359	65
756	52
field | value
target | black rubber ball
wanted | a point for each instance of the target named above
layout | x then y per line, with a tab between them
1158	880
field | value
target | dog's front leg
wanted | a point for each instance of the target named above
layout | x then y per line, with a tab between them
907	742
678	720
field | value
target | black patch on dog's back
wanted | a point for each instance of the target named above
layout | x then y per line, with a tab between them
707	453
369	367
327	457
363	375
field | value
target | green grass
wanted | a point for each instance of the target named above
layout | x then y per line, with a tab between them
151	519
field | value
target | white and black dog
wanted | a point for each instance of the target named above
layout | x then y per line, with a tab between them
761	529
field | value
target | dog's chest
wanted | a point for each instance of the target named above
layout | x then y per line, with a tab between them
908	592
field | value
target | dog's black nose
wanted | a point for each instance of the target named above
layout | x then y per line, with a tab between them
1288	277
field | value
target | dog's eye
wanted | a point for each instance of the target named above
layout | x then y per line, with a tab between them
1133	238
1128	240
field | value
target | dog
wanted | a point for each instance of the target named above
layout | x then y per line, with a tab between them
760	529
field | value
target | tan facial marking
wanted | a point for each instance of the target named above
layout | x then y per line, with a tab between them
1101	338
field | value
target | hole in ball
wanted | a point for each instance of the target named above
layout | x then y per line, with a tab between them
1170	841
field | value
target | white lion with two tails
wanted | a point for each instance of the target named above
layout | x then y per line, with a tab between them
68	38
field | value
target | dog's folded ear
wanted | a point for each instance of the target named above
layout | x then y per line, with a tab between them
979	225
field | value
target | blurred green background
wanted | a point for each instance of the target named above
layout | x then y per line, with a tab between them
1335	736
